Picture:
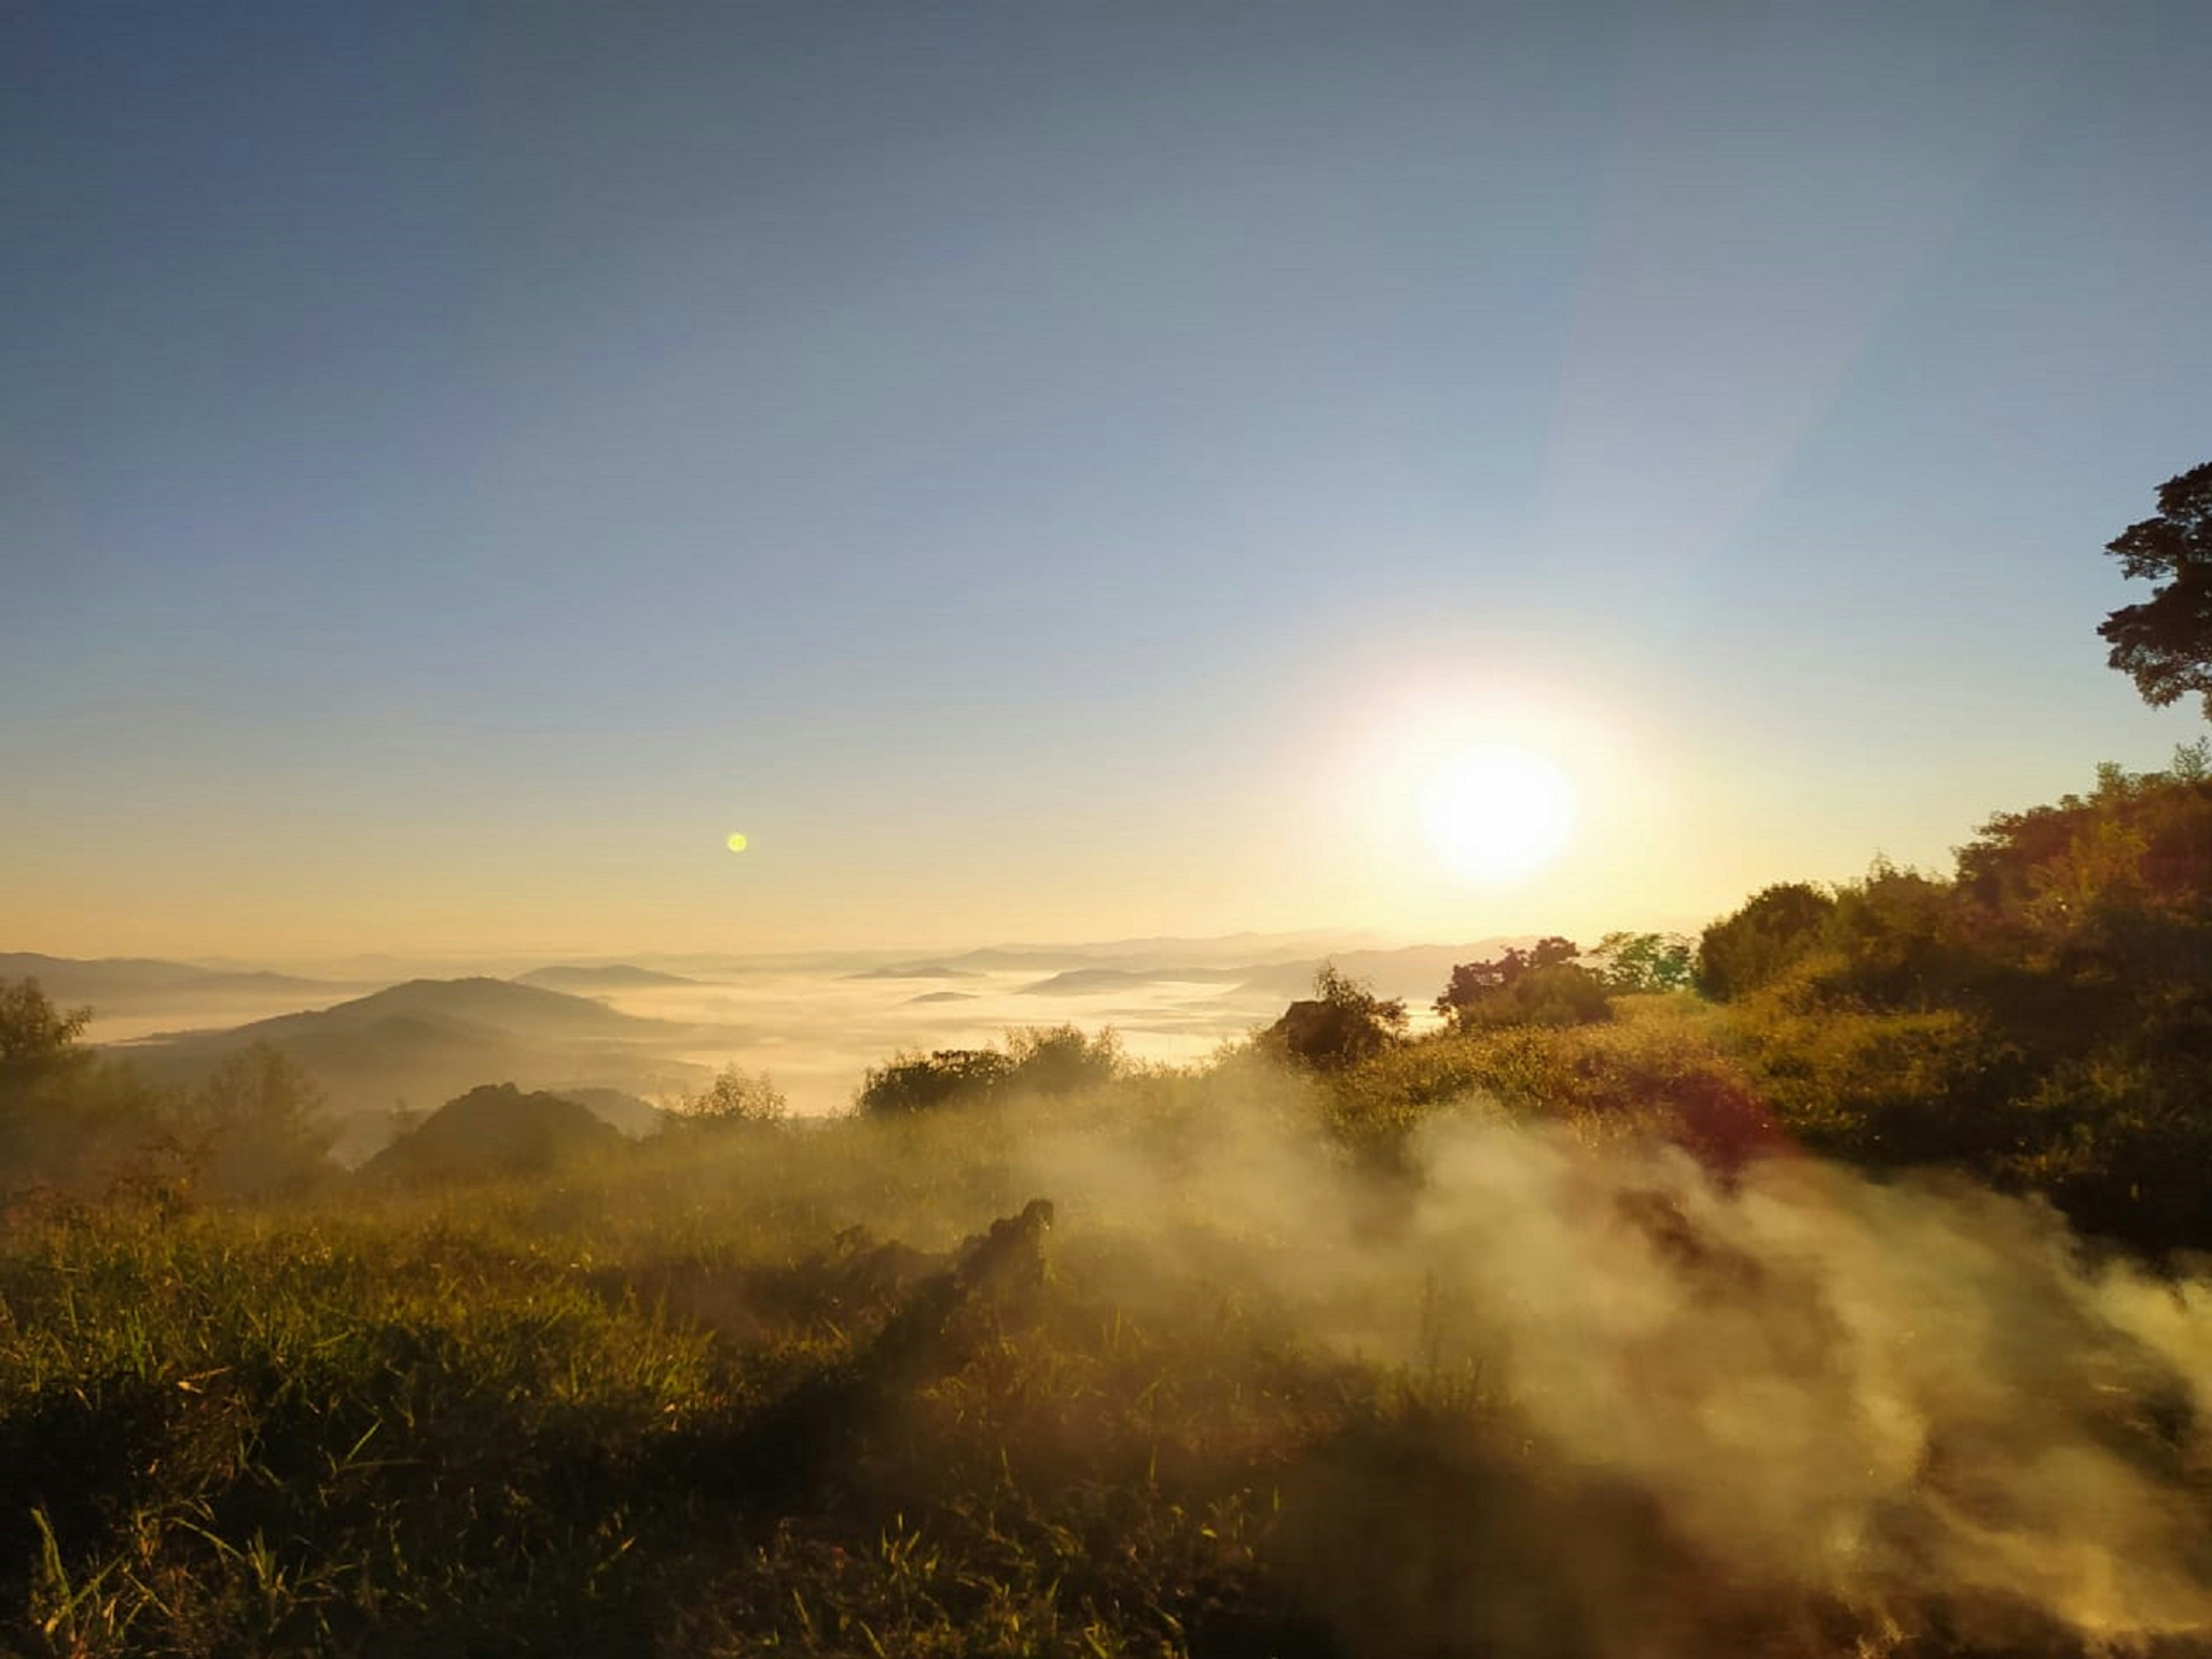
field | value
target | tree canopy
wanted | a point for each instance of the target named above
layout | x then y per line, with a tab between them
2164	644
1342	1023
1544	985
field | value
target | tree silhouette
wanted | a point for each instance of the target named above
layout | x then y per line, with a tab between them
2166	642
1544	985
1343	1022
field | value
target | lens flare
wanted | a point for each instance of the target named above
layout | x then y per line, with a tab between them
1497	813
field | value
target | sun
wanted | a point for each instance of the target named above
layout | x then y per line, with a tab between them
1497	813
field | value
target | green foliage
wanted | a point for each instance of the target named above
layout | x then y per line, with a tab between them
1663	1067
1646	964
910	1082
333	1436
1889	1088
1059	1059
1342	1023
1039	1060
37	1040
2164	644
1775	928
2044	1019
2139	844
1545	985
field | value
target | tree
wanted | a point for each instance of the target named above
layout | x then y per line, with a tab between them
1473	981
736	1098
1343	1022
263	1125
909	1083
1544	985
1646	962
66	1118
1775	928
1059	1059
36	1038
2166	642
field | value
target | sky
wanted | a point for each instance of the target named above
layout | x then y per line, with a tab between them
1052	471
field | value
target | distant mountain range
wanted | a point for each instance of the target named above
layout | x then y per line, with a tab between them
917	970
427	1040
609	976
950	961
1218	950
1416	972
123	984
1087	981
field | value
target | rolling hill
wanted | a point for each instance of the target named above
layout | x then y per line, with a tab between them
113	985
1088	981
915	970
494	1130
431	1040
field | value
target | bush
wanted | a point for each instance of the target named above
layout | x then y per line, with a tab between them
1776	928
1662	1067
735	1099
1059	1059
1341	1024
1543	986
1047	1059
911	1082
1643	964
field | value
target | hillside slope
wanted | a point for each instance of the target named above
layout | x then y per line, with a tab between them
429	1040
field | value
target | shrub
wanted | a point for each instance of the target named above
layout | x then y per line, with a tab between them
1543	986
1776	928
735	1099
1059	1059
1662	1067
1645	964
1341	1024
911	1082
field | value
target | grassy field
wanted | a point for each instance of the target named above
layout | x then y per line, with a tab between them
1567	1370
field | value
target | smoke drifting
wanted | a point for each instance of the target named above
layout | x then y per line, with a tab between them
1664	1404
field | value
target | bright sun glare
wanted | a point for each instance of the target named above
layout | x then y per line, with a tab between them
1495	813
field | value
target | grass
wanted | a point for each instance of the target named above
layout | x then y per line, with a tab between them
724	1396
517	1422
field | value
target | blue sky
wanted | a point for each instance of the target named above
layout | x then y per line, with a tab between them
1060	470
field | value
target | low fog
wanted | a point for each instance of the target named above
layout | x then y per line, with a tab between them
815	1027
